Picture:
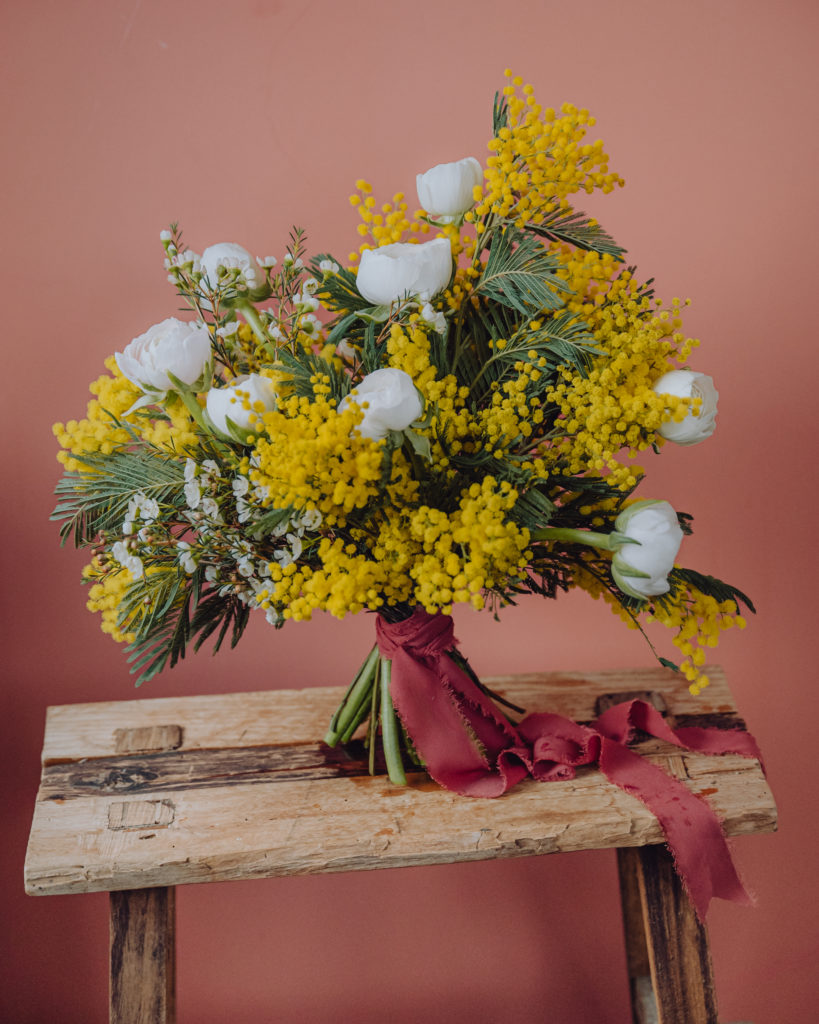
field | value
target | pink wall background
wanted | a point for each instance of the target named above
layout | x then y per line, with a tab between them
239	120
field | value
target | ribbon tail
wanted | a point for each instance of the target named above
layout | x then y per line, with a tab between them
692	830
454	727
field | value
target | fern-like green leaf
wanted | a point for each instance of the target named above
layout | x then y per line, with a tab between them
710	585
520	274
579	230
96	497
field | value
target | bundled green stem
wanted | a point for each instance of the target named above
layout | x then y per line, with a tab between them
368	699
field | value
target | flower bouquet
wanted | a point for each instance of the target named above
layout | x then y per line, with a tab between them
448	416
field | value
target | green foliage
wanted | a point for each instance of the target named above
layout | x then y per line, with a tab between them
710	585
500	113
578	230
303	369
520	274
95	499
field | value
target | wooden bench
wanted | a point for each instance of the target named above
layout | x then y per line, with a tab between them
139	796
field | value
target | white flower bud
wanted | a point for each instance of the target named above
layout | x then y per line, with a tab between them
389	400
655	527
446	189
228	256
241	402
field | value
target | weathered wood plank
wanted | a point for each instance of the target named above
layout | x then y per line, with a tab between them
149	737
286	717
253	831
142	986
246	796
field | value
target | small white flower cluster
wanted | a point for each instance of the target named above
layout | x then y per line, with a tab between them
293	531
228	265
127	559
200	489
249	580
182	264
305	304
244	495
141	510
234	564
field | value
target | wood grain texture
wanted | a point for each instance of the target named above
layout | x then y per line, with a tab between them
679	958
644	1005
147	737
285	717
142	986
249	793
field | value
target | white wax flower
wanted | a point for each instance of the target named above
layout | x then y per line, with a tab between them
129	561
173	346
435	319
446	189
655	526
400	269
698	424
232	257
389	400
241	402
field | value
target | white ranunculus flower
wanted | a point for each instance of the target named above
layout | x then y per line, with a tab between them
400	269
173	346
240	402
389	401
446	189
698	424
232	257
655	526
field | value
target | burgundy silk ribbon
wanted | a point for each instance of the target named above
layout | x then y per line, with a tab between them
469	747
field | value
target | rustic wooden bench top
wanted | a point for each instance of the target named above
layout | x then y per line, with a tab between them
162	792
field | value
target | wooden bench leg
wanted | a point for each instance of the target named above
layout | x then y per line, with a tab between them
669	962
143	964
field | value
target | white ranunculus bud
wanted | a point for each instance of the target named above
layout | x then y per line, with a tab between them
230	256
389	400
400	269
446	189
698	424
654	525
171	347
241	402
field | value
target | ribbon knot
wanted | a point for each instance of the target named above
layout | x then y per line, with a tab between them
470	748
422	635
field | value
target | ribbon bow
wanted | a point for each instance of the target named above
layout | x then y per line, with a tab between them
445	713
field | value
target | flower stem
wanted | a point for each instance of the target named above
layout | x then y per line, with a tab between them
188	399
606	541
372	729
248	311
356	700
389	729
